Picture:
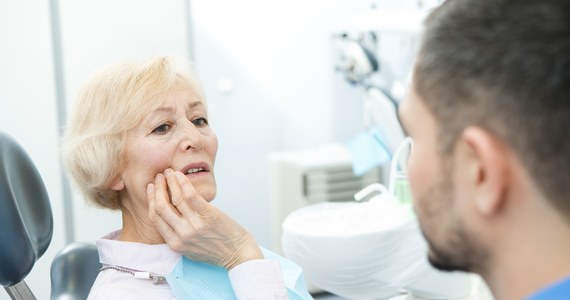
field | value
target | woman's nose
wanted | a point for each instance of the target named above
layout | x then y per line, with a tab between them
192	138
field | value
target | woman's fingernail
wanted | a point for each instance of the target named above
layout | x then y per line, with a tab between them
149	187
168	172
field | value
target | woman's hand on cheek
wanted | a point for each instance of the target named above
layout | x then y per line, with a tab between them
194	227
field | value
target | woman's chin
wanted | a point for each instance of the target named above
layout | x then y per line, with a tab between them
208	193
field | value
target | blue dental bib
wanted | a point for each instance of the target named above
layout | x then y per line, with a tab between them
196	280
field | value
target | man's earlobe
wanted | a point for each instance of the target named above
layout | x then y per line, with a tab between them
489	169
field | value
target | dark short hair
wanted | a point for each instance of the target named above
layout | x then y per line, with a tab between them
504	66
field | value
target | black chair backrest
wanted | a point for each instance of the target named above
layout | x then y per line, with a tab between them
73	271
26	221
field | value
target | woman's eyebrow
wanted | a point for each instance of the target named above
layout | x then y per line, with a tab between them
169	109
163	109
158	112
193	105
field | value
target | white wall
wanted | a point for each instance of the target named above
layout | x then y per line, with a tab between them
286	95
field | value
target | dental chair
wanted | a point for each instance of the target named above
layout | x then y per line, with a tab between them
26	228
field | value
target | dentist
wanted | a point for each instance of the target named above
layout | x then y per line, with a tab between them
489	114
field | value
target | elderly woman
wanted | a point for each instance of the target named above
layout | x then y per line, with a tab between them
139	141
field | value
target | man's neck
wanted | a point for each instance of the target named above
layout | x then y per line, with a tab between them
530	259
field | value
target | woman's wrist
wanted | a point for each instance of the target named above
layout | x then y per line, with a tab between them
248	251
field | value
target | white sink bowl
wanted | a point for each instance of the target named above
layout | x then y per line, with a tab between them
366	250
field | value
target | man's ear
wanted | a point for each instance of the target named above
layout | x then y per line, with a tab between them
487	168
117	184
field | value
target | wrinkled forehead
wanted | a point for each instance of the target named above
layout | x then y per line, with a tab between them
158	97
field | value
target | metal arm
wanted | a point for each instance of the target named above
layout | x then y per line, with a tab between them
20	291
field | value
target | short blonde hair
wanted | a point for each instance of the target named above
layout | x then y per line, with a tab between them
111	103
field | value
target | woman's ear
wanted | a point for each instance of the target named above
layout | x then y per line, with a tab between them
117	184
488	169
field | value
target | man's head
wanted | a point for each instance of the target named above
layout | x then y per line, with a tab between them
491	86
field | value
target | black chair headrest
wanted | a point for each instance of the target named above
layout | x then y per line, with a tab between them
26	221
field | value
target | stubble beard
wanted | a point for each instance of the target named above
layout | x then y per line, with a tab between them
456	249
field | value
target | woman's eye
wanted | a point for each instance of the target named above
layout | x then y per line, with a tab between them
200	122
161	129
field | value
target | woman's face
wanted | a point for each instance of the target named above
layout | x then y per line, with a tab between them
175	135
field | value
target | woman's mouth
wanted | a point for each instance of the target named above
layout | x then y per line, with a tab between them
196	170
